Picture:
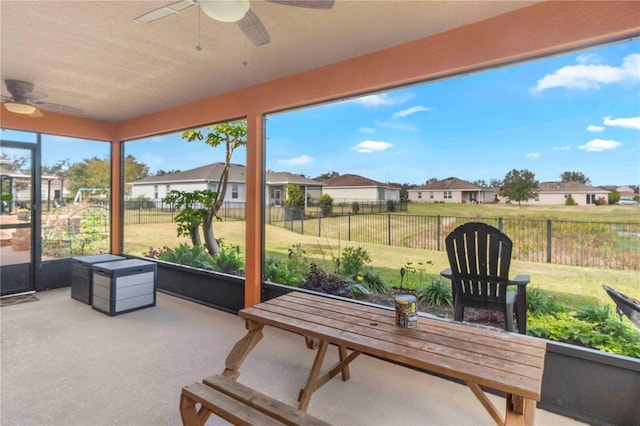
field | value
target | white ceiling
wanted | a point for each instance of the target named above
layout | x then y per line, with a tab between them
92	55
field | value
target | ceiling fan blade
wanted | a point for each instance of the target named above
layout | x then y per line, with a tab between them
36	114
33	96
164	11
65	109
252	27
309	4
4	98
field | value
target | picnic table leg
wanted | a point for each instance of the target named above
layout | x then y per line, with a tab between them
520	411
242	348
342	351
305	394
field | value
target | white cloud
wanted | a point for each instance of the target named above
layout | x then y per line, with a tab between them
629	123
562	148
589	58
368	146
396	126
409	111
367	130
383	99
296	161
597	145
592	128
586	76
533	155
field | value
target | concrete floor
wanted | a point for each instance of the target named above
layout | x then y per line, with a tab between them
62	363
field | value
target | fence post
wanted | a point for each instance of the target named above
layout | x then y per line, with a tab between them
139	212
548	240
438	236
319	223
389	228
349	226
302	224
500	224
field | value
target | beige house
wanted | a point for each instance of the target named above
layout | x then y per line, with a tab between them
557	193
207	177
349	188
451	190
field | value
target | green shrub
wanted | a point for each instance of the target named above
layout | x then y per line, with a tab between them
595	313
373	281
538	303
228	261
436	293
326	204
184	254
570	201
352	261
279	271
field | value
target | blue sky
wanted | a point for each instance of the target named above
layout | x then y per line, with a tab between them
577	112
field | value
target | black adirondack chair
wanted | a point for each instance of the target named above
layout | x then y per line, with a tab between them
480	257
625	305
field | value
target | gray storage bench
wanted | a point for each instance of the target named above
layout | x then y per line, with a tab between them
81	274
123	286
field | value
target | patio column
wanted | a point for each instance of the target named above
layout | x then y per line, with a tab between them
254	224
116	196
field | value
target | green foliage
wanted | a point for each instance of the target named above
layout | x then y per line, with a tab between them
228	260
326	204
520	185
538	303
291	271
373	281
353	260
595	313
320	281
570	201
614	196
414	274
575	177
184	254
96	173
194	206
295	196
610	335
436	293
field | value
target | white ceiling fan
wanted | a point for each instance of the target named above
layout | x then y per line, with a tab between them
238	11
24	100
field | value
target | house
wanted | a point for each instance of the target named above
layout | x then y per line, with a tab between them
276	183
451	190
207	177
626	193
557	193
349	187
200	178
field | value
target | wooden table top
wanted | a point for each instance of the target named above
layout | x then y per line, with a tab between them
500	360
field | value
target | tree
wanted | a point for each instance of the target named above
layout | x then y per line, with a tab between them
231	135
295	196
481	183
404	188
520	185
161	172
60	168
575	177
614	196
96	173
432	180
495	183
327	175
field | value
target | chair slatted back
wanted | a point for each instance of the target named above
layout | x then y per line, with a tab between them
480	257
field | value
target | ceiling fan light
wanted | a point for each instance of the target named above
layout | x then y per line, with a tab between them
20	108
225	10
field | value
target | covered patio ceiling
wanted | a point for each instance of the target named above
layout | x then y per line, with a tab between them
93	56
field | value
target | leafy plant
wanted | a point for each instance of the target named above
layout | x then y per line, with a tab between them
326	204
538	303
279	271
227	260
373	281
595	313
353	260
436	293
320	281
184	254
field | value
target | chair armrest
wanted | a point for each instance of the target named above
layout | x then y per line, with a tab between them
446	273
521	280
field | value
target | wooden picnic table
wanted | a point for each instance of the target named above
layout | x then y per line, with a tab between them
478	356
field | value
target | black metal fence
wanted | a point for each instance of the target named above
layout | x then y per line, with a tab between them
589	244
150	211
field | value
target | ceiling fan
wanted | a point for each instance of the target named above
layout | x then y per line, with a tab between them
238	11
24	100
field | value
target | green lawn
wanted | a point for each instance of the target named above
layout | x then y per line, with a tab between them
570	284
609	213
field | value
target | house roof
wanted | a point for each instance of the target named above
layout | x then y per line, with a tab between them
212	172
349	180
283	178
449	184
564	187
207	173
